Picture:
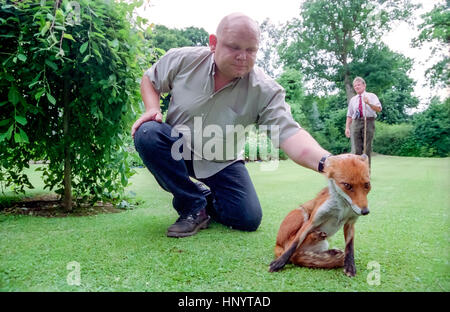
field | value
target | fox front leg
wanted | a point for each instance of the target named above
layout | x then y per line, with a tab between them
349	262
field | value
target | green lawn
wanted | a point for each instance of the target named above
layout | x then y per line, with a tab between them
406	233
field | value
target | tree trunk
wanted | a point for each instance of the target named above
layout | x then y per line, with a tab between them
67	200
349	91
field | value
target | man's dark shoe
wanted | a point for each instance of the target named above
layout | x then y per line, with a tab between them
210	211
189	225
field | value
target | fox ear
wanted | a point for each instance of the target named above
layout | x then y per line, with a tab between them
328	169
364	158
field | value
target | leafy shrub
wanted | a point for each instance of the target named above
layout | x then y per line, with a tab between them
432	129
427	136
393	139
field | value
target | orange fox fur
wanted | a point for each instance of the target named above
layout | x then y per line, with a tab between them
302	235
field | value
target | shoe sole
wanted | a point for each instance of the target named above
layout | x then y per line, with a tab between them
201	226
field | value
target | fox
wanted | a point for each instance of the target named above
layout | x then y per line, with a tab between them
302	237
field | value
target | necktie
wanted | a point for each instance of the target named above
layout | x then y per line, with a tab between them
360	107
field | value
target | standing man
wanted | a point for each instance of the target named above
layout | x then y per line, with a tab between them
214	88
364	105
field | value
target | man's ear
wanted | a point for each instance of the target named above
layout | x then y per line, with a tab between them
212	42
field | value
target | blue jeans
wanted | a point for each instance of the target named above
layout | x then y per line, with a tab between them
233	201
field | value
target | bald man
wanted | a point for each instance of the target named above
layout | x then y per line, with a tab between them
213	91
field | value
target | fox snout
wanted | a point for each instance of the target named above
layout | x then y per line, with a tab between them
365	211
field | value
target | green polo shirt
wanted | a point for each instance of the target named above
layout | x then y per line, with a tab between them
212	122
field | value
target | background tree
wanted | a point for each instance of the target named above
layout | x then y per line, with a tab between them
69	84
436	28
268	58
163	39
166	38
291	80
325	39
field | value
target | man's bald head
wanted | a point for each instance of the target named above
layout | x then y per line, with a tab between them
237	22
235	46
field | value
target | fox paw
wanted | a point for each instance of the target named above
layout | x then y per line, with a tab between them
350	271
276	265
318	235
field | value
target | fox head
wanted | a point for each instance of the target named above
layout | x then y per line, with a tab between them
349	177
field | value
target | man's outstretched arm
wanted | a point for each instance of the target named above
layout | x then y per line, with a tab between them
304	149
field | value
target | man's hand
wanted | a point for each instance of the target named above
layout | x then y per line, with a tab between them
347	132
366	100
152	114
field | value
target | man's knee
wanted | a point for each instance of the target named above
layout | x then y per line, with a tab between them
251	223
147	135
246	218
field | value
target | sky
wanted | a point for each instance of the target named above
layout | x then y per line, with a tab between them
207	14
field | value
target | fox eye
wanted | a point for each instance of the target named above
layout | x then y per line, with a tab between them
367	185
347	186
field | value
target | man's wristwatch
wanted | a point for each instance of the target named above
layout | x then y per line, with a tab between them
322	162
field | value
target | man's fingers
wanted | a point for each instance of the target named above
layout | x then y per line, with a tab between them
156	117
134	128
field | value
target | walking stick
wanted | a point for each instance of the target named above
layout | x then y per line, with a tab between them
365	134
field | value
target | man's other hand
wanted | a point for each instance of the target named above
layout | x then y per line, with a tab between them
347	132
147	116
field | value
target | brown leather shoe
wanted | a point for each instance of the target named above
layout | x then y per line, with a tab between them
189	225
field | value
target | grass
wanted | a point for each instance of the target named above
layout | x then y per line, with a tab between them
407	233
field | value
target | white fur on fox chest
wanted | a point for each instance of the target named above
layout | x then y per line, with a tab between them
330	218
334	213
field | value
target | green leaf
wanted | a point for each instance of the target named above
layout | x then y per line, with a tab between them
31	85
3	103
9	132
24	136
84	47
68	36
35	80
86	58
97	34
38	95
22	57
9	77
51	64
60	28
17	138
13	95
2	137
51	98
45	28
124	180
21	120
4	122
